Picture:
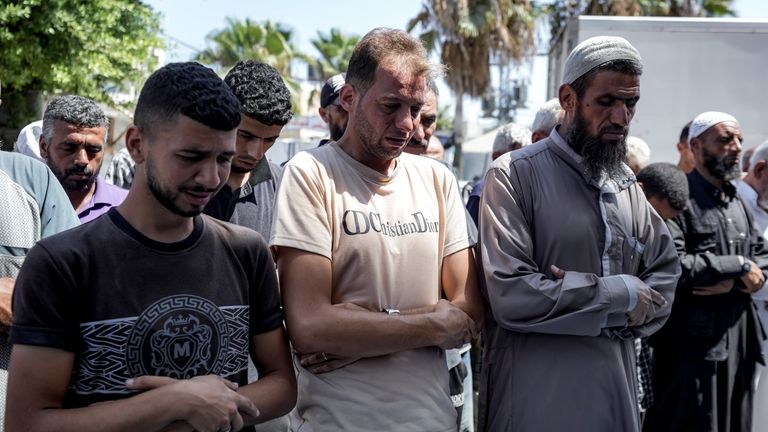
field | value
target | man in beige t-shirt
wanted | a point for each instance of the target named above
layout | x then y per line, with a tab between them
368	241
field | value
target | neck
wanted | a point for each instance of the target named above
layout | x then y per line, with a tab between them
80	198
142	210
357	152
716	182
685	166
237	180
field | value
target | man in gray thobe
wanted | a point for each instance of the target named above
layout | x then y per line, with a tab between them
576	264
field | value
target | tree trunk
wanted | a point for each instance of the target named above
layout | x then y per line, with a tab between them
458	135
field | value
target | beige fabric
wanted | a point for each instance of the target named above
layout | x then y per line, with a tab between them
386	237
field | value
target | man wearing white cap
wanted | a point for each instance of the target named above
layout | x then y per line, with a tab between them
706	355
576	265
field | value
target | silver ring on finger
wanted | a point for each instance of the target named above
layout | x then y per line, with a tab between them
226	429
325	358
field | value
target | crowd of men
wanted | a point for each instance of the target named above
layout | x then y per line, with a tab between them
200	286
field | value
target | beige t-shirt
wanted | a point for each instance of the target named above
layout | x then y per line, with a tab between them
386	237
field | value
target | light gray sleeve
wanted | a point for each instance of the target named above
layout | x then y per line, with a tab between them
660	267
521	297
56	212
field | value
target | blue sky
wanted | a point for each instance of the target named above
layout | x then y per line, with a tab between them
189	21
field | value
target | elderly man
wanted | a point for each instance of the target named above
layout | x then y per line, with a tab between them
576	264
368	239
705	357
72	143
143	319
509	138
547	117
753	190
638	154
33	206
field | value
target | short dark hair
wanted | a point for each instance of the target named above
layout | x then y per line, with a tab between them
629	67
684	132
190	89
261	91
665	181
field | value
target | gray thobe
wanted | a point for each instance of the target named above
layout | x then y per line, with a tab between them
559	355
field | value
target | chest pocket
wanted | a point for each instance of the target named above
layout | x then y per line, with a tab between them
703	237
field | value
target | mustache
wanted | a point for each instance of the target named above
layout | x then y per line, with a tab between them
79	170
199	189
615	129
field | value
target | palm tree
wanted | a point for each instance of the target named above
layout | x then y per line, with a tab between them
266	42
471	35
335	49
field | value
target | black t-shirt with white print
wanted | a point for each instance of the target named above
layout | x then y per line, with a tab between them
129	306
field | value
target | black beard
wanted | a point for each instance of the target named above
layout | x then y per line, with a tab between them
721	169
74	185
598	156
167	198
336	132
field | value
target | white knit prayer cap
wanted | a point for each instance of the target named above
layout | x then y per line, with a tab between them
28	142
706	120
597	51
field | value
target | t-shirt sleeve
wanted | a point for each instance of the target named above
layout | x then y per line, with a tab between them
45	303
265	311
458	226
301	219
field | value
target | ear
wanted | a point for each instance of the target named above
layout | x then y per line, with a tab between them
568	98
323	114
758	169
348	97
536	136
43	147
136	143
694	144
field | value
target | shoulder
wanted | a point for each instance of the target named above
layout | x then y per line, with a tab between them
28	172
112	190
86	239
529	160
236	236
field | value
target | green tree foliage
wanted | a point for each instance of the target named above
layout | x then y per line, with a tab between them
70	46
470	34
267	42
335	49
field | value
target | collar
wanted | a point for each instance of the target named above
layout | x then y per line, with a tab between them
106	193
722	196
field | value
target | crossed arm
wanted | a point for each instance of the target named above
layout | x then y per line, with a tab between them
38	378
316	325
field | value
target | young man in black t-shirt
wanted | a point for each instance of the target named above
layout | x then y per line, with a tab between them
154	308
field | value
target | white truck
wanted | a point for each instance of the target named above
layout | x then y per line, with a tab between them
690	65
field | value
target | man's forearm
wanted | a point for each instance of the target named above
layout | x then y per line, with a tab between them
149	411
274	395
348	333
